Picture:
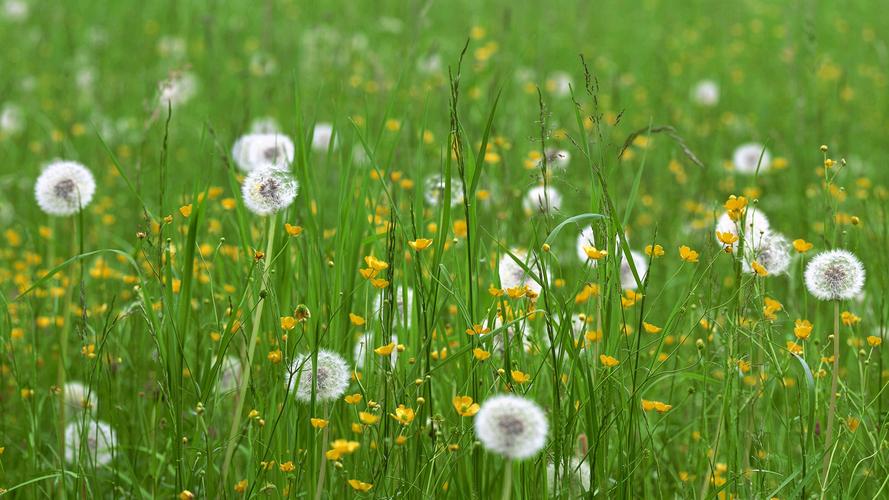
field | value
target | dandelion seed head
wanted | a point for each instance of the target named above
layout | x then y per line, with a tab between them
229	375
79	398
64	188
256	150
177	89
267	190
365	344
705	93
773	254
756	228
640	261
97	438
542	200
512	426
511	273
332	376
322	136
404	306
434	190
746	158
577	481
835	275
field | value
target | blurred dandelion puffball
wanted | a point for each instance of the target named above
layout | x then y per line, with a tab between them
434	190
267	190
64	188
364	344
705	93
98	440
511	426
229	375
834	275
322	135
586	238
756	227
178	89
332	376
540	199
256	150
746	158
578	480
511	273
773	254
404	306
79	398
627	280
557	159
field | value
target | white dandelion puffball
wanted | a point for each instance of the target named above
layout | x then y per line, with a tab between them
252	151
322	135
835	275
577	481
404	306
540	199
559	83
331	381
15	10
434	190
91	441
264	125
178	89
705	93
756	227
12	121
557	159
64	188
511	426
746	158
586	238
773	254
267	190
364	344
79	398
511	273
499	340
627	280
229	377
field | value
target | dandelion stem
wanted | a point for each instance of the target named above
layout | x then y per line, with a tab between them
251	347
507	481
323	467
831	412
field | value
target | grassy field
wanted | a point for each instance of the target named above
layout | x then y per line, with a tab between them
316	245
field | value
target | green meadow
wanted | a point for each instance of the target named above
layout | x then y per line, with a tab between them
428	249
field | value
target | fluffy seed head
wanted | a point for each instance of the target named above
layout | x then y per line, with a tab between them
835	275
64	188
746	158
365	344
404	306
321	137
585	239
79	399
773	254
511	426
627	280
267	190
511	273
178	89
252	151
705	93
575	484
97	438
756	227
229	375
434	191
542	200
331	381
